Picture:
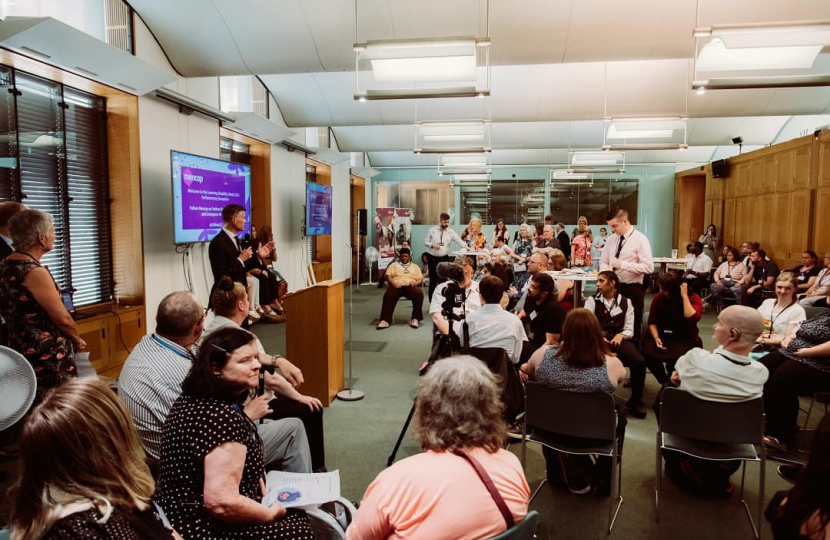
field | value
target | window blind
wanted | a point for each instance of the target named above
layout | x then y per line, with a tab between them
8	136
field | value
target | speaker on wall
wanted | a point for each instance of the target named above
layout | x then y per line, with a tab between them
720	169
361	222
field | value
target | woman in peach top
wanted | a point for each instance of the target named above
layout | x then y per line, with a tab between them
437	494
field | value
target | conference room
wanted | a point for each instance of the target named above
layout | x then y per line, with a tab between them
304	217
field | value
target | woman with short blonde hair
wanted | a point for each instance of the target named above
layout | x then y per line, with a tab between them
473	235
83	469
459	423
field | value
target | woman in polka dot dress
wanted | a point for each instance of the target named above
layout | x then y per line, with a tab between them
212	472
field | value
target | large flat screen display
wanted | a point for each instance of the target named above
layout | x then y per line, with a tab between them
317	209
202	186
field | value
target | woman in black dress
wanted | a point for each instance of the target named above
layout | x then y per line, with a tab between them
40	327
83	473
212	472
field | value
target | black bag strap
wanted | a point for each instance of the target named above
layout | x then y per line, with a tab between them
488	483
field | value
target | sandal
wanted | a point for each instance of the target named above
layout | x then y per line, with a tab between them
414	323
383	325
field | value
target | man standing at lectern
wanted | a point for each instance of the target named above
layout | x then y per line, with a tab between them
437	242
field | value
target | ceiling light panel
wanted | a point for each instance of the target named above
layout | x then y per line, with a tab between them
452	137
716	56
781	34
583	159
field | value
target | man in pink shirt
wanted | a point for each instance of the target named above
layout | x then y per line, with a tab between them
438	494
628	253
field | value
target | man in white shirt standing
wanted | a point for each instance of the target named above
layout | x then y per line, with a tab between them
628	253
491	326
698	266
438	242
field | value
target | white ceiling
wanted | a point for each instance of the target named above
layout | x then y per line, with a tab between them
560	66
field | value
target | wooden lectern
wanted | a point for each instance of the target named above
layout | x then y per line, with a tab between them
314	337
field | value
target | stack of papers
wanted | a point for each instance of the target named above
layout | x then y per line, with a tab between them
298	489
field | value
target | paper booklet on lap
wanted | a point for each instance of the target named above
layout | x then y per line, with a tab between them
298	489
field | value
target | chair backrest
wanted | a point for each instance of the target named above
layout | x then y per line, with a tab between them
644	326
510	384
683	414
523	530
589	416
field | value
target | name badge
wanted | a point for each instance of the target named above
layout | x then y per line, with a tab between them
668	332
533	315
727	279
802	278
616	311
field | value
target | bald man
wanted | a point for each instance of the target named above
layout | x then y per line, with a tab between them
728	373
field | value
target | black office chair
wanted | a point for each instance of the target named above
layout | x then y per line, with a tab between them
523	530
715	431
588	416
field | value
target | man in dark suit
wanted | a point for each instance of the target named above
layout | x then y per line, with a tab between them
564	241
7	210
226	253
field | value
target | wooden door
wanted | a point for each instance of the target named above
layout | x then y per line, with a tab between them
784	177
729	234
801	167
821	227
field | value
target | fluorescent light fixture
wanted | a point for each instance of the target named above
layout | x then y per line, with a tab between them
430	64
645	128
778	34
646	146
471	176
781	81
566	174
716	56
596	158
452	137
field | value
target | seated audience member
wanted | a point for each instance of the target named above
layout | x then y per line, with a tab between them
808	270
403	279
230	304
782	314
800	367
278	282
539	233
425	269
492	326
760	276
500	233
582	364
672	326
438	494
537	264
498	269
724	251
547	243
804	511
728	278
543	313
565	287
698	266
616	318
82	470
212	463
39	326
746	250
472	301
727	374
151	381
816	295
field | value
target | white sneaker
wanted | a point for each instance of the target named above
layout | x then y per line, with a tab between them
253	314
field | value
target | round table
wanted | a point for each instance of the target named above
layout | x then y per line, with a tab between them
578	279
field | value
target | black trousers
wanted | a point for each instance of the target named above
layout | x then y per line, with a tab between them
432	265
752	300
312	421
632	359
393	294
636	293
787	380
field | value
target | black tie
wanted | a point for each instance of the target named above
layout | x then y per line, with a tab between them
619	247
238	243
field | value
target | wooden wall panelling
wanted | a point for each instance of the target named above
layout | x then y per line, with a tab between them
784	178
742	218
780	233
821	231
733	181
707	213
709	188
260	177
824	160
728	233
770	171
802	158
798	227
756	175
718	186
717	215
765	220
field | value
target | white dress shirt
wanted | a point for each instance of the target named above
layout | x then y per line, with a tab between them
444	238
235	243
713	377
472	302
701	263
635	256
628	327
491	326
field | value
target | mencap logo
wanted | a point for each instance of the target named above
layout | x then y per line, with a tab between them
188	177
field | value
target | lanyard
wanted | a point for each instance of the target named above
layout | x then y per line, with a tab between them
735	361
169	347
824	279
729	269
773	317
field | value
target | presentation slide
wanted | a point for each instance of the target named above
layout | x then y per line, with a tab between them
202	186
318	209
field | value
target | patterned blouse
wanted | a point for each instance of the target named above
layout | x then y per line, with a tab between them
31	331
555	373
581	251
523	248
815	331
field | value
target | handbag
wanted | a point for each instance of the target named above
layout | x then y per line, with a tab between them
488	483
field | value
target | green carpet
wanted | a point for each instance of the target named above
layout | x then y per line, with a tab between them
361	435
